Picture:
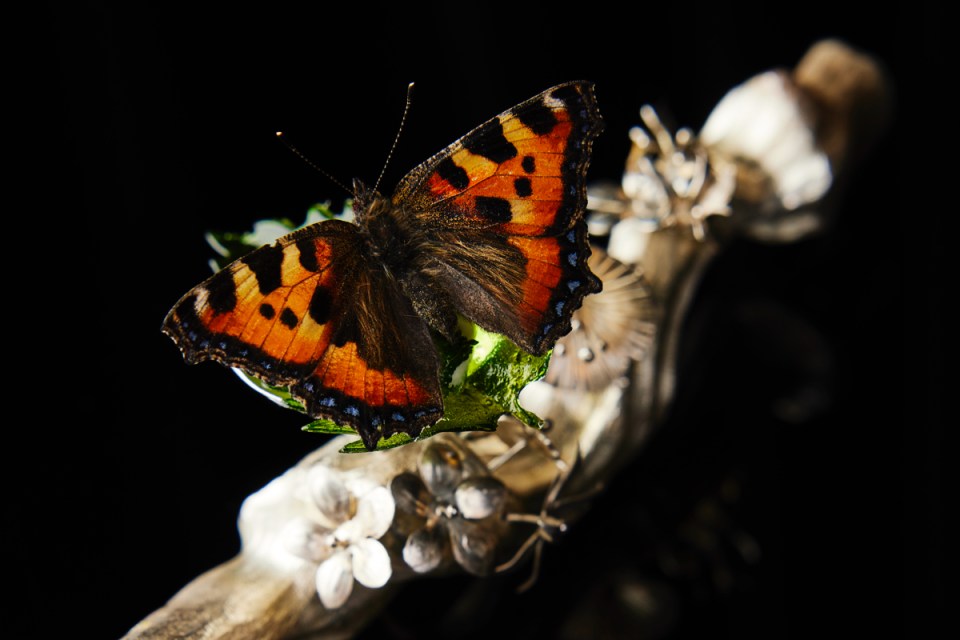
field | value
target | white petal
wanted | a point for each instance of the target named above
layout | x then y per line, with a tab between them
375	512
335	580
349	532
424	549
538	398
805	180
481	497
359	485
329	493
628	240
441	467
306	539
762	120
474	544
371	563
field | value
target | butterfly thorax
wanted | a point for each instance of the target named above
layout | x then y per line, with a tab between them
393	238
386	238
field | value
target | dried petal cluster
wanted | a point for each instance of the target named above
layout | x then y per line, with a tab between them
450	505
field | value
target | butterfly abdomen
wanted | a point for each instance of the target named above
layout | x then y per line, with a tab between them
393	240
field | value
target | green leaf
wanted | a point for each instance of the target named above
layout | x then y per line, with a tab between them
396	440
499	369
327	426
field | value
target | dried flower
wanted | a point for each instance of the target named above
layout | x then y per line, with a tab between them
764	124
757	154
452	504
612	329
668	181
344	536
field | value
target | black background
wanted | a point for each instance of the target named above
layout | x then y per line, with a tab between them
157	124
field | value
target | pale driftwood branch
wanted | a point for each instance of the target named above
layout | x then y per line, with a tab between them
265	592
238	599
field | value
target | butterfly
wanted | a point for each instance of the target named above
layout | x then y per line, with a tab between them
344	314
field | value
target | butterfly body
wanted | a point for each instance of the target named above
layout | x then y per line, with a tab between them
393	238
491	228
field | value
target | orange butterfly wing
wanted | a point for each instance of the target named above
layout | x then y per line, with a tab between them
506	202
309	313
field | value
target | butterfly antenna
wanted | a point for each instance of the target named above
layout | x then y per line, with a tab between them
403	120
312	163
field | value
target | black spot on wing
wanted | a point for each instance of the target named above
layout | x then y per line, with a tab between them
529	164
266	264
569	94
348	331
488	141
222	292
455	175
494	209
267	311
308	254
289	318
538	117
522	187
321	305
